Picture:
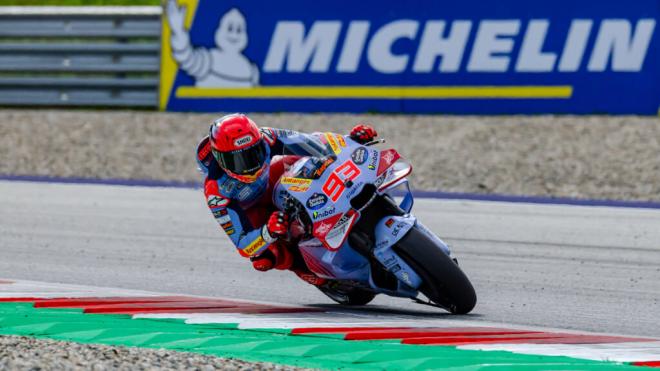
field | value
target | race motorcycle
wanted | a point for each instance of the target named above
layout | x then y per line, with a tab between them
350	230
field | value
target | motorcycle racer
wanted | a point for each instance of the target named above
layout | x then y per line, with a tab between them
242	163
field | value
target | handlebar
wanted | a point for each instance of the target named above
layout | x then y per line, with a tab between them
374	142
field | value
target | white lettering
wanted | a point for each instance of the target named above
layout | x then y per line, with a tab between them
353	46
620	45
243	140
491	39
433	45
380	48
614	38
531	57
290	44
576	43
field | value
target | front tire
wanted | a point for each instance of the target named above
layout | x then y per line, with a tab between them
443	282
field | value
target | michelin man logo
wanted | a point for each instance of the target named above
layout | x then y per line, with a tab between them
223	66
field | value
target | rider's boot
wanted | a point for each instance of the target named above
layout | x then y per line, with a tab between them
280	256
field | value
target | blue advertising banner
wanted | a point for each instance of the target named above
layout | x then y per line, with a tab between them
417	56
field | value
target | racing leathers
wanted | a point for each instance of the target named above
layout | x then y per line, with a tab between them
242	209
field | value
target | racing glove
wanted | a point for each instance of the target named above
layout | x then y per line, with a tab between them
363	133
276	255
277	226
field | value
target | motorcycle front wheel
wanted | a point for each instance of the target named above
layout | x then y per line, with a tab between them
443	282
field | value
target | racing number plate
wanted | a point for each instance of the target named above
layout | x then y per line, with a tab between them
335	185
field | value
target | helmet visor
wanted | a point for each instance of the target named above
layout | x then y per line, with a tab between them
246	161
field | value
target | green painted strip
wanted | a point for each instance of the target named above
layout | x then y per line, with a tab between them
268	345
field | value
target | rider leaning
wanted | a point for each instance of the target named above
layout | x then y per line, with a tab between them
237	157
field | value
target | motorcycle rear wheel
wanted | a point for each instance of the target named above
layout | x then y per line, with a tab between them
443	282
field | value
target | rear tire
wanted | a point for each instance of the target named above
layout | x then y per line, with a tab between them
348	295
443	282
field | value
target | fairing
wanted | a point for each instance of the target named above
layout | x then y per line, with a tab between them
324	188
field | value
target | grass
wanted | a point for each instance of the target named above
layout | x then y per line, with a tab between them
76	2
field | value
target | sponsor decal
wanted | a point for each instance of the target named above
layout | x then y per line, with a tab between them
340	140
325	213
335	185
243	140
321	169
387	158
296	184
381	244
335	232
406	278
513	52
290	133
267	56
217	201
316	201
223	219
295	181
299	188
227	225
389	222
340	227
221	216
253	247
354	189
334	144
383	177
360	155
323	228
229	231
218	213
379	181
344	219
373	159
390	261
244	193
398	228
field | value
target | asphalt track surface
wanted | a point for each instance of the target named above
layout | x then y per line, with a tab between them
573	267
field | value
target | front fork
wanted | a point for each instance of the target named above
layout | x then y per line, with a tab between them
389	231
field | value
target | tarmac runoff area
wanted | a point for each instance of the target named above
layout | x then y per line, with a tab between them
578	268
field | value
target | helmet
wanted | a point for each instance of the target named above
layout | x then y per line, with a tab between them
237	145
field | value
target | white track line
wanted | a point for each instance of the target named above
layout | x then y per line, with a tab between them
619	352
28	289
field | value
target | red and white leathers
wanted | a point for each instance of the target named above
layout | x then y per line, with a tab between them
243	209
